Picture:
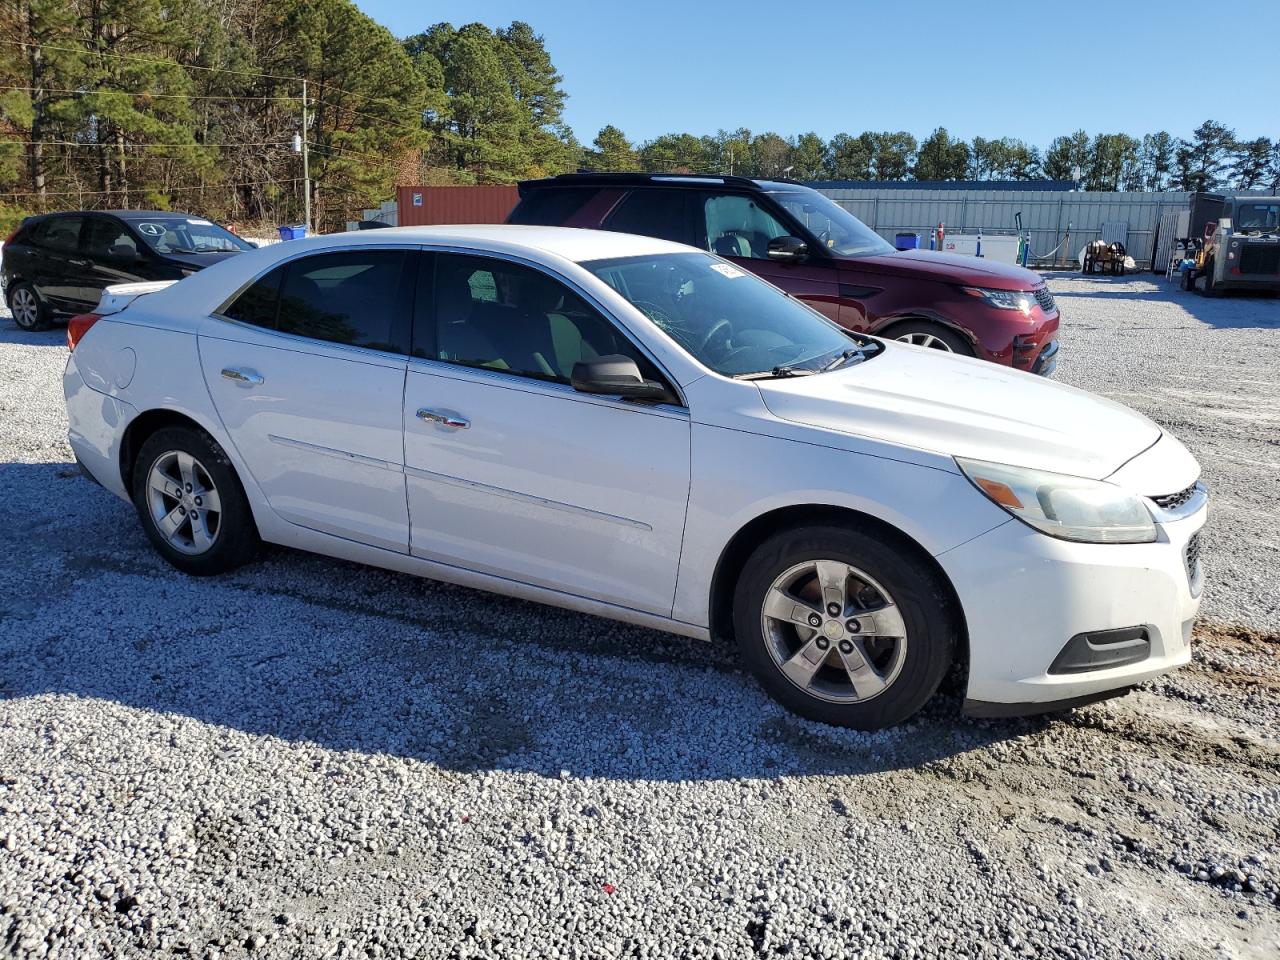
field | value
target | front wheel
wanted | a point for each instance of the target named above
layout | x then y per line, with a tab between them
843	626
1211	289
934	336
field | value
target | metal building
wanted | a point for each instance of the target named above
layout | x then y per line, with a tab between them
1133	218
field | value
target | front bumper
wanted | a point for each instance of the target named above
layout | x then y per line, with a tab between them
1026	595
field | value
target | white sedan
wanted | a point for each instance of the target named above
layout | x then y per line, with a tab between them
635	429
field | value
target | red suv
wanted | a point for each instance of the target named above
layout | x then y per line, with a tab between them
817	251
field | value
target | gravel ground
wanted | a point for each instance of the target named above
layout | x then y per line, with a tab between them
310	758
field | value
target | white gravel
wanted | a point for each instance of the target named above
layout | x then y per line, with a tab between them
309	758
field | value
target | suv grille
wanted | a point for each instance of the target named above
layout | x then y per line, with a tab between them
1171	501
1045	299
1257	258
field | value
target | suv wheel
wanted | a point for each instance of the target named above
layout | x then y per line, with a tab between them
191	504
935	336
29	311
843	627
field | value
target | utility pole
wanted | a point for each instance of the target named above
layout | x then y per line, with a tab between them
306	170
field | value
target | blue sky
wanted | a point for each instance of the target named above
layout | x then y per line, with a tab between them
983	67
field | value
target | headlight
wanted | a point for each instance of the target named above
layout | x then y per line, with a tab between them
1069	508
185	272
1020	300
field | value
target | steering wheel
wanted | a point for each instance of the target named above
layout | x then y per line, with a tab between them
720	329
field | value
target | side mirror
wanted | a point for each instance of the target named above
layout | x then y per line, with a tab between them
617	376
788	249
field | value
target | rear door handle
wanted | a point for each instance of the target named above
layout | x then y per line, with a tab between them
244	377
444	419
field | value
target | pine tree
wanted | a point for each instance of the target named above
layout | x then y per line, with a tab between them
1251	167
614	151
1066	153
808	157
941	158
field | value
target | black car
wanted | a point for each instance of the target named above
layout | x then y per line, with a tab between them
56	264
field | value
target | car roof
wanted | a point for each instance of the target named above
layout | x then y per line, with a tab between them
122	214
691	180
566	243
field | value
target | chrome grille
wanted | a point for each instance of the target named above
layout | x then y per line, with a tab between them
1045	299
1171	501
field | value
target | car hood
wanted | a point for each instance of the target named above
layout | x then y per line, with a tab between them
963	407
953	268
198	261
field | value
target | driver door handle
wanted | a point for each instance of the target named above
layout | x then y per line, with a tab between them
444	419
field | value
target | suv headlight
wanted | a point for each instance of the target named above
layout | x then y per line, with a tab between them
1069	508
1021	300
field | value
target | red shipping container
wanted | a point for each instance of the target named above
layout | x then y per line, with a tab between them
424	206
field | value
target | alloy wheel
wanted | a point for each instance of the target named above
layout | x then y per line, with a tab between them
834	631
184	503
925	340
26	309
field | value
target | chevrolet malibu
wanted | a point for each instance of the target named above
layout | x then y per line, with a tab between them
636	429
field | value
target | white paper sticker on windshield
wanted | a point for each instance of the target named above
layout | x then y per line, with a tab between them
727	270
202	223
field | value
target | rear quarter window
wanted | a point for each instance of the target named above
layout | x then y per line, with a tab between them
550	207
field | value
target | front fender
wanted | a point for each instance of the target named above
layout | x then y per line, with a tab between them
737	477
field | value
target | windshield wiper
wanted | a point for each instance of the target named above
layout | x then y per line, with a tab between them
777	373
845	355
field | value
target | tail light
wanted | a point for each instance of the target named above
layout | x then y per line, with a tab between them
9	238
78	326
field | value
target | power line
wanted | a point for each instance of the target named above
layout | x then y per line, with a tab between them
141	146
193	66
97	193
147	93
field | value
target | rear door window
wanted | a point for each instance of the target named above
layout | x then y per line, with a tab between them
654	212
61	234
550	207
258	304
354	298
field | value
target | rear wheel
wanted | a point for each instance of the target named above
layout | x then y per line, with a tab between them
934	336
191	504
844	627
29	311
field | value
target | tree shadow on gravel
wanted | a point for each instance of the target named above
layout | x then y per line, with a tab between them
351	658
1235	310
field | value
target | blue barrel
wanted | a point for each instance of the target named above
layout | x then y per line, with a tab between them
295	231
906	241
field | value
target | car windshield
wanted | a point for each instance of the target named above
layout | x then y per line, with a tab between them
1257	216
728	319
834	227
187	235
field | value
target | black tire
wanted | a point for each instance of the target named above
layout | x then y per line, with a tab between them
235	539
1211	289
921	328
41	319
922	599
